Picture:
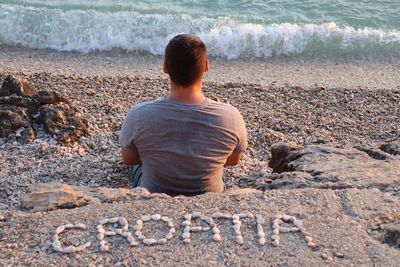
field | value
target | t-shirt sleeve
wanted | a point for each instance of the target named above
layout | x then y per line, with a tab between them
241	132
130	128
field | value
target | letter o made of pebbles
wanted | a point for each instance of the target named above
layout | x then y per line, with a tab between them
123	231
57	245
156	218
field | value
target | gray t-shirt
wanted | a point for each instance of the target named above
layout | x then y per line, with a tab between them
183	147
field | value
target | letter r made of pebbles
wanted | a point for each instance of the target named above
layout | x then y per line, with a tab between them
123	231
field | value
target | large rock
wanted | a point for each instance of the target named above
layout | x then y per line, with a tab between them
14	86
19	106
52	196
15	119
327	166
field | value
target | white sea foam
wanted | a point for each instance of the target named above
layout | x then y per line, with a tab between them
90	30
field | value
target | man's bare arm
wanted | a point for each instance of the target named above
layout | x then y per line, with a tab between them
130	156
234	159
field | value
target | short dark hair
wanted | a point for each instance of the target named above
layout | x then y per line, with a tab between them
185	58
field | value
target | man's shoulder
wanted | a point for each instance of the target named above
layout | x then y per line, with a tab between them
225	107
142	106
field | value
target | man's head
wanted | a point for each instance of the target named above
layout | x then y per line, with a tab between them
185	59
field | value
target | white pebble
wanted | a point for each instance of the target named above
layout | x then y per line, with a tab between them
126	234
186	229
156	217
311	244
275	243
235	217
69	249
185	235
188	217
260	228
170	224
278	216
104	248
134	244
162	241
137	227
287	218
130	239
186	223
216	215
262	241
172	230
238	232
166	219
145	218
103	221
276	231
237	222
58	249
169	236
137	233
141	237
196	228
275	225
297	223
110	233
206	228
308	239
260	219
118	231
80	226
236	227
80	248
275	237
226	216
239	240
56	243
139	222
122	221
284	230
242	215
113	220
217	237
186	241
88	244
101	230
102	243
60	229
69	226
261	234
250	215
294	229
100	236
149	241
216	230
196	214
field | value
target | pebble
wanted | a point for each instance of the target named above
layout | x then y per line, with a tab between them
102	243
156	217
118	231
162	241
235	217
88	244
185	235
294	229
188	216
275	225
239	240
139	222
101	230
172	230
56	243
242	215
216	215
284	230
250	215
145	218
287	218
69	226
308	239
217	237
236	227
149	241
276	231
275	237
2	218
170	224
261	234
104	248
134	244
123	221
260	219
103	221
137	233
166	219
311	244
262	241
186	241
141	237
238	233
196	214
206	228
260	228
169	236
80	226
137	227
226	216
237	222
58	248
60	229
100	236
80	248
275	243
196	228
69	249
186	229
130	239
297	223
216	230
186	223
113	220
278	216
324	256
110	233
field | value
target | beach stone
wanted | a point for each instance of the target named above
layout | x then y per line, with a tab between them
14	86
156	217
60	229
185	235
13	119
46	97
113	220
327	166
145	218
149	241
80	226
275	243
217	237
100	236
69	249
262	241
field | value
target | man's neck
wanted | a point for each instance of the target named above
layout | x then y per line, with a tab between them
192	94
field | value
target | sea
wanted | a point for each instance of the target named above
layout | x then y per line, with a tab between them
231	29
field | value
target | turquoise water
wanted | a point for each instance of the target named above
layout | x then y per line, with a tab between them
231	29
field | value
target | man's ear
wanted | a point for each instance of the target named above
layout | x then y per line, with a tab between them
165	68
207	66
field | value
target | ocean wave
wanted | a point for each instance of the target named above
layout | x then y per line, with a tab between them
90	30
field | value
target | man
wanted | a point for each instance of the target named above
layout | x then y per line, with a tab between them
180	144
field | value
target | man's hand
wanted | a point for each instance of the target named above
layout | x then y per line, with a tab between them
234	159
130	156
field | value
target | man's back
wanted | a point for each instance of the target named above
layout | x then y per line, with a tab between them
183	147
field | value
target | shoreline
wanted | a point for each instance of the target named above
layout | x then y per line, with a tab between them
300	71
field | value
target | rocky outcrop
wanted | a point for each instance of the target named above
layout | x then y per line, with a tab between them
328	166
22	107
52	196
